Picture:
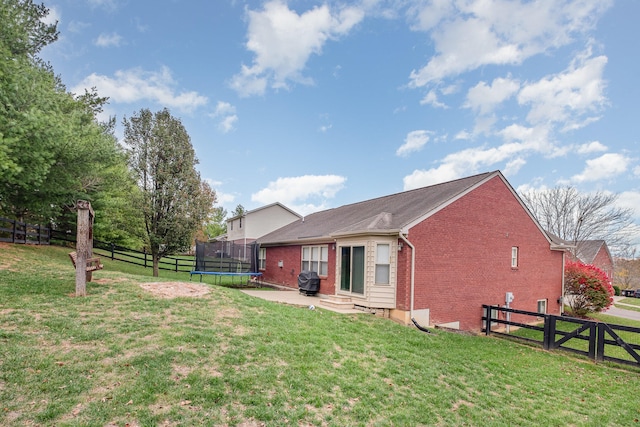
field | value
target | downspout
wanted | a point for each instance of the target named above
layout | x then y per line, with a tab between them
564	265
413	271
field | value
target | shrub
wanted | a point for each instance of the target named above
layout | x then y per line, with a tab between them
588	288
616	290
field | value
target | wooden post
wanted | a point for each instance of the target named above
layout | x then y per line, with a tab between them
84	246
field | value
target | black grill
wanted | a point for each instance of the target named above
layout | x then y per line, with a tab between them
308	282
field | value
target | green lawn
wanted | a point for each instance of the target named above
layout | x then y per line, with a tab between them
124	356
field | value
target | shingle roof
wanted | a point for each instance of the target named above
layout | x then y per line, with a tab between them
588	249
388	214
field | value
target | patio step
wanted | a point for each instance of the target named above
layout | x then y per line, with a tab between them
338	302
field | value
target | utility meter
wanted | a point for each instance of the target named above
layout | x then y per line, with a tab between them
508	298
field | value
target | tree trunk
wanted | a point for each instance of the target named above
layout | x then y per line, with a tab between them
156	263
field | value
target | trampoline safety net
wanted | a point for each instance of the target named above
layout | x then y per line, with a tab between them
226	257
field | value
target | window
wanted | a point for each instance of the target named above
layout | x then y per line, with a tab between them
542	306
240	222
514	257
262	259
382	264
231	223
316	258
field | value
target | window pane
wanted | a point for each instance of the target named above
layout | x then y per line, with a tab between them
324	269
324	253
542	306
305	253
382	254
314	253
382	274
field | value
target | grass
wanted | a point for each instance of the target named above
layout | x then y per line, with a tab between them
123	356
632	304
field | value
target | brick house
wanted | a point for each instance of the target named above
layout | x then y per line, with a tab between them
435	254
596	253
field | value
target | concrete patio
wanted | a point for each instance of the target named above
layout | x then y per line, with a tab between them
294	297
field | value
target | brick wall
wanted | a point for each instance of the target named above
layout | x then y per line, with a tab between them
291	257
463	258
603	261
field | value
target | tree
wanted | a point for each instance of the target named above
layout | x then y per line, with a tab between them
23	30
53	151
175	201
217	223
587	288
238	211
627	273
576	217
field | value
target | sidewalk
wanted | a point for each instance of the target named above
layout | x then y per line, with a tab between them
619	311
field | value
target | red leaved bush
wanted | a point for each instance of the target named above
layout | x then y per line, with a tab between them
587	287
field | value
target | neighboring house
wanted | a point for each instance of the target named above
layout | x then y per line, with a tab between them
435	254
596	253
251	225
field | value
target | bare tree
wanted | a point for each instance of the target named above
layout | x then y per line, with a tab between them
577	217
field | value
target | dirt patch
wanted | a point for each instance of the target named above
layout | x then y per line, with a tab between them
175	289
9	258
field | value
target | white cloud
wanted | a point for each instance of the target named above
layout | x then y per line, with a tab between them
474	33
591	147
630	200
52	17
227	114
422	178
568	96
135	84
432	98
414	141
519	143
282	42
295	192
513	166
228	123
603	167
483	98
108	40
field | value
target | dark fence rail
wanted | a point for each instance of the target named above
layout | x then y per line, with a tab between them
115	252
597	340
14	231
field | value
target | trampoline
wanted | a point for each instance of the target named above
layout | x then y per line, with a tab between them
220	259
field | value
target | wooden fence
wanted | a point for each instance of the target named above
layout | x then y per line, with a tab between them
597	340
14	231
132	256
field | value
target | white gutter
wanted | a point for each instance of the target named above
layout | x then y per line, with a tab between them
413	271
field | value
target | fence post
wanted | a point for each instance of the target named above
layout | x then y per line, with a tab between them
596	351
488	316
145	257
176	265
113	249
549	332
13	233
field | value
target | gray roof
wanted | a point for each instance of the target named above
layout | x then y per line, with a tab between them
587	250
388	214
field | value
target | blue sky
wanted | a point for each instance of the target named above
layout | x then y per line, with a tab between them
319	104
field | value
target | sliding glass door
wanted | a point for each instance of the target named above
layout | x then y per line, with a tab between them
352	269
